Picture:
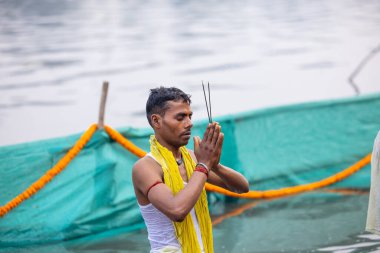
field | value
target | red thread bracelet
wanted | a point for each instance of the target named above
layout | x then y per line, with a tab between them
153	185
202	169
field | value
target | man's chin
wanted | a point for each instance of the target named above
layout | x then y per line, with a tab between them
185	139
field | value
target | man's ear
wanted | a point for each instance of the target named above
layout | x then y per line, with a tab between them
156	121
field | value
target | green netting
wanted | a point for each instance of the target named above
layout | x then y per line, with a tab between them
273	148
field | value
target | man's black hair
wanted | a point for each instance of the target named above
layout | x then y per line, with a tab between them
158	98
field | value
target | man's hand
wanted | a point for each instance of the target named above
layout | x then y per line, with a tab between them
209	149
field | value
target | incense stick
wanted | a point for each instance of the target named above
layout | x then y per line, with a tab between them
209	101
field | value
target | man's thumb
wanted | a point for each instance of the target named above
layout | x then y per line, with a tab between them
196	142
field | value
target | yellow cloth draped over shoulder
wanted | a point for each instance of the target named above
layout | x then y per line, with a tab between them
185	230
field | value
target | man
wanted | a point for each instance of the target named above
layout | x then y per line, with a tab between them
169	181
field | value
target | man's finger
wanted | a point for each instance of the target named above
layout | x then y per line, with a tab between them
219	142
199	140
216	134
205	135
218	147
196	143
211	133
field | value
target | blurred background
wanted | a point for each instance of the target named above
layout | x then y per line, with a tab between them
55	54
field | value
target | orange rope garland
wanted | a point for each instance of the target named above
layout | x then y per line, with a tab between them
256	194
115	135
40	183
296	189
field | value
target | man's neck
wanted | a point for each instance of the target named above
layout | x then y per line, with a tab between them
175	150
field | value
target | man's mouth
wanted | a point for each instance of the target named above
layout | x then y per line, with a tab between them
186	133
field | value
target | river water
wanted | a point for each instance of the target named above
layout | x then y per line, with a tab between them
55	54
326	221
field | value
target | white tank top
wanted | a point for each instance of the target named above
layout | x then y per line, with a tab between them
160	228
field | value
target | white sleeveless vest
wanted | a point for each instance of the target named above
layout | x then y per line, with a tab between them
160	228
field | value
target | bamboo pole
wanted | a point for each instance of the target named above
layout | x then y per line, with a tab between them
102	106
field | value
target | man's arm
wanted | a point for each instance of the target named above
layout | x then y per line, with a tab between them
221	175
146	173
229	179
174	207
226	178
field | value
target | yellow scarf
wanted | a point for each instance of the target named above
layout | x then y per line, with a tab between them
185	231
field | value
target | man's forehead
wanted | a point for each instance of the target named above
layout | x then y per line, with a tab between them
178	106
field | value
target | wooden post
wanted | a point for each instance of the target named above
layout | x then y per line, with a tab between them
102	107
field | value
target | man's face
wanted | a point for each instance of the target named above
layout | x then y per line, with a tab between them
176	123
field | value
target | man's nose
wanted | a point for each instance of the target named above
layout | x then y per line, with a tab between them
189	123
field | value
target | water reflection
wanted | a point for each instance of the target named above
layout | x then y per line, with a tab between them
324	221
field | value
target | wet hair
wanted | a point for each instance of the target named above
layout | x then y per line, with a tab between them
158	98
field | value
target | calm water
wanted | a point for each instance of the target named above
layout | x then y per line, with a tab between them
54	55
322	221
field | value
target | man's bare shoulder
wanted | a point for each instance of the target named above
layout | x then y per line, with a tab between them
146	166
145	172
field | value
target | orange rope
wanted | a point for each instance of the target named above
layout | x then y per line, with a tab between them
296	189
40	183
124	142
256	194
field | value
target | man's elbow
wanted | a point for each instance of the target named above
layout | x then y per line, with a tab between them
238	190
178	218
244	188
178	214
